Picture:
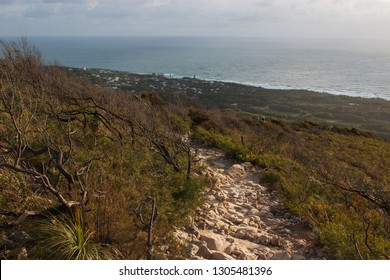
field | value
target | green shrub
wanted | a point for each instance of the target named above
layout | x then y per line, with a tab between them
66	238
271	178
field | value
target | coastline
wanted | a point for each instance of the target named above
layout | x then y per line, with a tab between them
368	114
323	66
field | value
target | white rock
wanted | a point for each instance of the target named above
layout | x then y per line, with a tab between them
253	211
240	234
221	196
236	170
214	241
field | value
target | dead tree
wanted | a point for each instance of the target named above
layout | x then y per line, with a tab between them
147	225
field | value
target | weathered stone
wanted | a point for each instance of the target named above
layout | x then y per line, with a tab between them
204	252
285	231
196	233
247	166
297	257
253	212
192	249
287	216
209	197
230	249
214	241
240	234
199	243
275	240
221	196
196	258
221	211
236	170
237	206
245	221
263	239
217	255
253	224
281	256
247	256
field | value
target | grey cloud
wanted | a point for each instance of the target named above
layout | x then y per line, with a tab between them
110	11
6	2
39	12
295	17
65	1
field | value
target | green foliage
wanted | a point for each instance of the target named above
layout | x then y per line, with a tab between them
66	238
271	178
232	150
122	150
62	138
324	174
198	116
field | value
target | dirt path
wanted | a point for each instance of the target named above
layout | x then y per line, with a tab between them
242	219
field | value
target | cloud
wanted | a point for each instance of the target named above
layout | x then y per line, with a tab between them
221	17
65	1
6	2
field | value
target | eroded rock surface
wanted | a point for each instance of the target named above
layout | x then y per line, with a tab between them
242	219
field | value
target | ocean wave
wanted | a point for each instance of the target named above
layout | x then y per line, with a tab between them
346	92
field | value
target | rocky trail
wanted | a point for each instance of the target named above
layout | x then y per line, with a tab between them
242	219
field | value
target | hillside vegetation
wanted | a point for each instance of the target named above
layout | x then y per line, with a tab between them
287	105
92	173
103	167
338	179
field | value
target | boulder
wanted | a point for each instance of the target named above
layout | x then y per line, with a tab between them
213	241
217	255
236	170
192	249
247	256
230	249
275	240
263	239
204	252
240	234
281	255
247	166
253	212
298	257
262	256
221	196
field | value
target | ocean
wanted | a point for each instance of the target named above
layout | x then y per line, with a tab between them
348	67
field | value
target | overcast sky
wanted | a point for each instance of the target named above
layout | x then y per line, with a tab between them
250	18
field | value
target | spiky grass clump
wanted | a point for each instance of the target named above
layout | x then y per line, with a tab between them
66	238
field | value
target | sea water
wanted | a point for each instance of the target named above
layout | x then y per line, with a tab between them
349	67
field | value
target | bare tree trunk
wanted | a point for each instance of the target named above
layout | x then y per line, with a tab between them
149	244
148	226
